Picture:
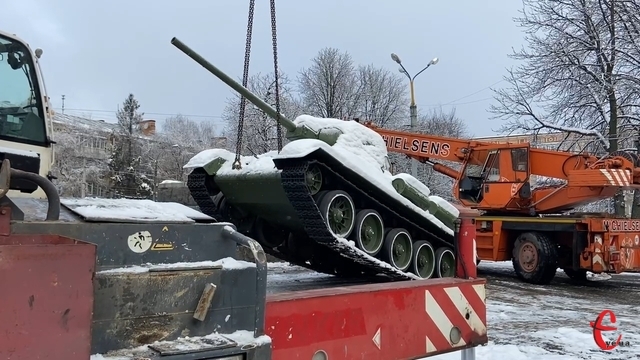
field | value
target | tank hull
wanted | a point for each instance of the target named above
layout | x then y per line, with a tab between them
260	194
280	210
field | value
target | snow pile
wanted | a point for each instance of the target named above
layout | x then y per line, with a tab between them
598	277
513	352
356	139
258	164
129	210
175	207
196	344
447	206
348	245
227	263
204	157
414	183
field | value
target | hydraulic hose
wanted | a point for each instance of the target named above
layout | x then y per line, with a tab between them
53	210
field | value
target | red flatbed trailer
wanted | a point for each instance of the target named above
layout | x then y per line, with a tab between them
401	320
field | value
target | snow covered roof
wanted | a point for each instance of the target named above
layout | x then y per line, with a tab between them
83	123
96	126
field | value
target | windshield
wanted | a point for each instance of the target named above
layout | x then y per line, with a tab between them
21	112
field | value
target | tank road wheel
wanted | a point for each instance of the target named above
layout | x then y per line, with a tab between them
535	258
446	262
423	259
313	179
369	232
398	248
338	211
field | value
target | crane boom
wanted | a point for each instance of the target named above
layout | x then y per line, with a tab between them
497	177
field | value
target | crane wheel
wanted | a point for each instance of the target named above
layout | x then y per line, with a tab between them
535	258
576	275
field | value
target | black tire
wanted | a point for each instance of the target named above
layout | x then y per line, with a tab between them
268	235
300	247
543	266
576	275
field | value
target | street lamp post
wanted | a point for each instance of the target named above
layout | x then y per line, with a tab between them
413	109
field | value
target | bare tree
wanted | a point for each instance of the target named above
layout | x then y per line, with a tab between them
577	73
438	123
330	86
188	133
259	130
383	96
180	139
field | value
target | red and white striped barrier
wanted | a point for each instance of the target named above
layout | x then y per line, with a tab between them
400	320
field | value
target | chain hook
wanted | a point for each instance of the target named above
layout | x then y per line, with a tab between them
274	38
237	164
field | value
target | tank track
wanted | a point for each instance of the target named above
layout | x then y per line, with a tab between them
330	254
294	185
197	185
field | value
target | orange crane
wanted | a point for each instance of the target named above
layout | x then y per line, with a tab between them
523	223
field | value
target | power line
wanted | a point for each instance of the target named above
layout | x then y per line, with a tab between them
479	91
462	103
456	103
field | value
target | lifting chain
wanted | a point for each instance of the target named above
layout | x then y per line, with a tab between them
274	38
237	164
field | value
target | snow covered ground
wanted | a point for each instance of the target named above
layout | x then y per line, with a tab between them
528	322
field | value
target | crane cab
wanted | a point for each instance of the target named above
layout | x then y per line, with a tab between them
495	177
25	114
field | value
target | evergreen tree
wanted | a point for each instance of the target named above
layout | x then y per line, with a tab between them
127	171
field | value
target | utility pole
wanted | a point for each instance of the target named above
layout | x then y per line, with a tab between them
413	108
63	104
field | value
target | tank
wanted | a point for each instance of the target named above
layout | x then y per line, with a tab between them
327	201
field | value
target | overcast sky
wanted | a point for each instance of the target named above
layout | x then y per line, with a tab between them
96	53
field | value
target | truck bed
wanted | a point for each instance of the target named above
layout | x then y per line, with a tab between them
283	277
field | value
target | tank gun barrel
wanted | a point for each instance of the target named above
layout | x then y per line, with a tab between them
243	91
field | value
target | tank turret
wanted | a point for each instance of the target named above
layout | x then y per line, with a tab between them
327	200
